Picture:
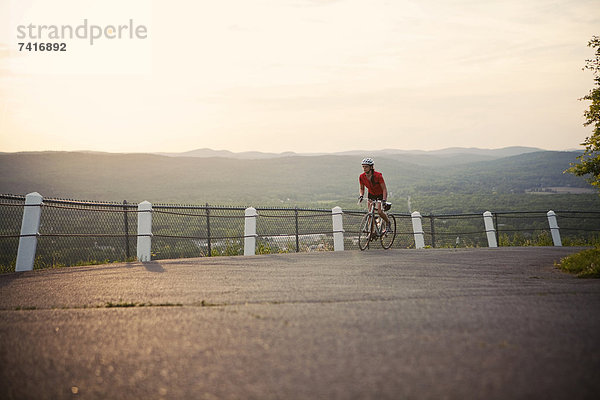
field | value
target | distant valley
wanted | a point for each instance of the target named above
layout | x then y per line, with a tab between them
203	176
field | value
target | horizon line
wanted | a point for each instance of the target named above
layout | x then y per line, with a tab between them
291	152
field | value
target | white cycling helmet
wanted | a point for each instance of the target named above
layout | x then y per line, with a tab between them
368	161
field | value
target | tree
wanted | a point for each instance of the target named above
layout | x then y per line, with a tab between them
589	161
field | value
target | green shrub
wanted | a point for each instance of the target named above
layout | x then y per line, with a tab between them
586	264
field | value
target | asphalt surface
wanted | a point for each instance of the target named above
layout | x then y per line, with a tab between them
401	324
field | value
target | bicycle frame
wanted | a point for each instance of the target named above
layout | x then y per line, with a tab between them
376	220
372	227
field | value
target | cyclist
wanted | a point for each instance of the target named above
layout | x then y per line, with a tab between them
375	184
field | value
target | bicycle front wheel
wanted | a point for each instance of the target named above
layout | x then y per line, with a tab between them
387	239
364	234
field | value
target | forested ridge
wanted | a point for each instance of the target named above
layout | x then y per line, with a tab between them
292	180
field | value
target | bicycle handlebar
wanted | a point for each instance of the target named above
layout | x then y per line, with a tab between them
386	207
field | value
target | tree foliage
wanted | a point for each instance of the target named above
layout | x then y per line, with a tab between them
589	161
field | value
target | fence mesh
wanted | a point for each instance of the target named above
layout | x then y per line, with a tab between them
11	215
73	233
293	230
579	228
193	231
76	232
522	229
467	230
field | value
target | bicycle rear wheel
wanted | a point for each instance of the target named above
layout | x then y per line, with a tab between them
364	234
387	239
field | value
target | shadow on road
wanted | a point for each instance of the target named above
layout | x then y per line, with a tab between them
153	266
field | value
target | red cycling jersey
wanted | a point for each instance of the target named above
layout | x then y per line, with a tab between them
374	189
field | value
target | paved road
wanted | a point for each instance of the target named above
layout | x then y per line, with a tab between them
401	324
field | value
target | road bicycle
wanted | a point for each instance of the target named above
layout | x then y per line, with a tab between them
372	227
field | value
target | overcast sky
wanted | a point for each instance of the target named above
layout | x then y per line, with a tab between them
298	75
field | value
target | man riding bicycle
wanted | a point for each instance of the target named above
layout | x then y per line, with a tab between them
375	184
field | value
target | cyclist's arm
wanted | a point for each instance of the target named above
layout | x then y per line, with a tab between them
361	189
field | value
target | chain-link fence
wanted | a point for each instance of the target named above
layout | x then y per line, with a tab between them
70	233
531	228
287	230
77	232
579	228
463	230
11	215
82	232
196	231
522	228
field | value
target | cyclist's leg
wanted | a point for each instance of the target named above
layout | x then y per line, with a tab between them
382	213
369	209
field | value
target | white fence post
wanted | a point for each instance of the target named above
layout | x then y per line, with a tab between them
144	239
489	229
554	228
30	226
338	228
250	231
418	230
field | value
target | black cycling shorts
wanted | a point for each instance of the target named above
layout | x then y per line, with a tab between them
375	197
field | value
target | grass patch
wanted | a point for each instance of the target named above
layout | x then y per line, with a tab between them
204	303
110	304
585	264
131	304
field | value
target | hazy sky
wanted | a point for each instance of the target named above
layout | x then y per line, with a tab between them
298	75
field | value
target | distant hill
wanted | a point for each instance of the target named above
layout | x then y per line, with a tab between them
288	180
450	155
247	155
513	174
452	151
